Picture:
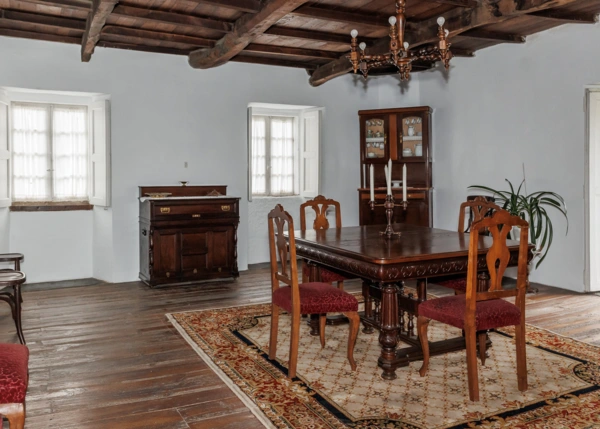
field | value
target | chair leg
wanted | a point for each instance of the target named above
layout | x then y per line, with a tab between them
482	343
521	357
294	341
340	285
473	380
18	301
15	413
422	325
322	320
354	325
274	329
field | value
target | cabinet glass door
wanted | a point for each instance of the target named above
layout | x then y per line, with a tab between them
375	137
411	137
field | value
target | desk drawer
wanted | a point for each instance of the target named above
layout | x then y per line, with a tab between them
193	211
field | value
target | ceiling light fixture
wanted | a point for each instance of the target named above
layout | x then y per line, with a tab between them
399	54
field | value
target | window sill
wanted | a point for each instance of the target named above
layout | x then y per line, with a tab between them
50	206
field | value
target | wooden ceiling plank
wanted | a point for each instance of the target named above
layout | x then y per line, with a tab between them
49	20
157	35
96	20
457	22
249	6
246	29
131	47
493	35
344	16
466	53
39	36
63	4
172	18
289	51
570	17
460	3
298	33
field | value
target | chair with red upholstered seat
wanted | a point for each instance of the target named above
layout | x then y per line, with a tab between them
306	298
320	205
477	208
476	312
14	361
10	289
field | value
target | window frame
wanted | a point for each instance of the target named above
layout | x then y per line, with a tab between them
52	201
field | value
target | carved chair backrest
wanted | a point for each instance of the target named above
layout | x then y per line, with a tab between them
497	258
284	267
320	205
477	208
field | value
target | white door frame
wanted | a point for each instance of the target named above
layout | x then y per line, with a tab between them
591	189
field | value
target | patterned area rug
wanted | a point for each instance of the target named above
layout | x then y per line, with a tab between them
564	378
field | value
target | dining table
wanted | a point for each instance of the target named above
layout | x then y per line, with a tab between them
384	264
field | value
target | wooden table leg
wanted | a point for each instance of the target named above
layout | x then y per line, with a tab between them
388	335
313	320
367	329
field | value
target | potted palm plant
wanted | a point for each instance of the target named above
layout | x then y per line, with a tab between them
533	208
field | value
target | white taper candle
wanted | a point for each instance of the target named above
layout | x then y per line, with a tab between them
371	182
389	182
404	184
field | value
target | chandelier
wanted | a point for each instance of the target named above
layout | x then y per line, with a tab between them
399	54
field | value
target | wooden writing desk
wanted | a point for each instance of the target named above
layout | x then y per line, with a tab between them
420	252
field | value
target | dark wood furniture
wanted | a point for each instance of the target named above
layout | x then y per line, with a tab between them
297	299
14	378
478	311
13	279
189	236
15	258
404	136
383	264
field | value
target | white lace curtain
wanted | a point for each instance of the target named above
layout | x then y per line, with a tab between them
272	146
49	152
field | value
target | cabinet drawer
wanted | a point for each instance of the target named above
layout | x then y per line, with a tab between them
195	211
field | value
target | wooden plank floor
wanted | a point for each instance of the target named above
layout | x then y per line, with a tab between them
105	356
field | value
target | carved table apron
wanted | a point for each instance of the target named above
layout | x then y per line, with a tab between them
383	264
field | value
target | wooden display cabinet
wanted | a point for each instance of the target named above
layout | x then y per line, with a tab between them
404	136
189	236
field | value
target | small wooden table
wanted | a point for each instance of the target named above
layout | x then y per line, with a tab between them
420	252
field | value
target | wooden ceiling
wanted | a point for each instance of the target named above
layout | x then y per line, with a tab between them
292	33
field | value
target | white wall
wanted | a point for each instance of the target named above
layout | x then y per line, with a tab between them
165	113
515	104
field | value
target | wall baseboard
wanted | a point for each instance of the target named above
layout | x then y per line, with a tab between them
62	284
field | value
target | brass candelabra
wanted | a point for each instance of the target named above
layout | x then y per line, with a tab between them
389	214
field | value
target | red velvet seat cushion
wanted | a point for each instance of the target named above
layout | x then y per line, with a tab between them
14	359
326	275
316	298
490	314
458	283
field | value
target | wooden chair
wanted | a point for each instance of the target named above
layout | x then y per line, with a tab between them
13	279
476	312
306	298
320	205
14	363
477	208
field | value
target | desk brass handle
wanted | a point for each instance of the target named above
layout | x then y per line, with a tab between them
225	208
165	209
168	275
220	269
196	215
195	270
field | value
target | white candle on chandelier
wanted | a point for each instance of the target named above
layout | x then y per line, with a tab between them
404	185
392	20
389	182
372	182
441	20
354	33
362	46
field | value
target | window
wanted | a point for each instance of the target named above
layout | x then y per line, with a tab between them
54	148
283	148
49	152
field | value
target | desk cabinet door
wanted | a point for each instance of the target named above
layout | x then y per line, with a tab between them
221	243
194	252
166	253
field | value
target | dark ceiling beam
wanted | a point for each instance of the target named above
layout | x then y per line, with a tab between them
63	4
246	29
289	51
249	6
41	19
10	32
97	17
156	35
568	17
297	33
466	53
132	47
172	18
457	21
494	36
272	62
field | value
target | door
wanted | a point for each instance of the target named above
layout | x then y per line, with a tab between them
165	254
220	249
592	215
